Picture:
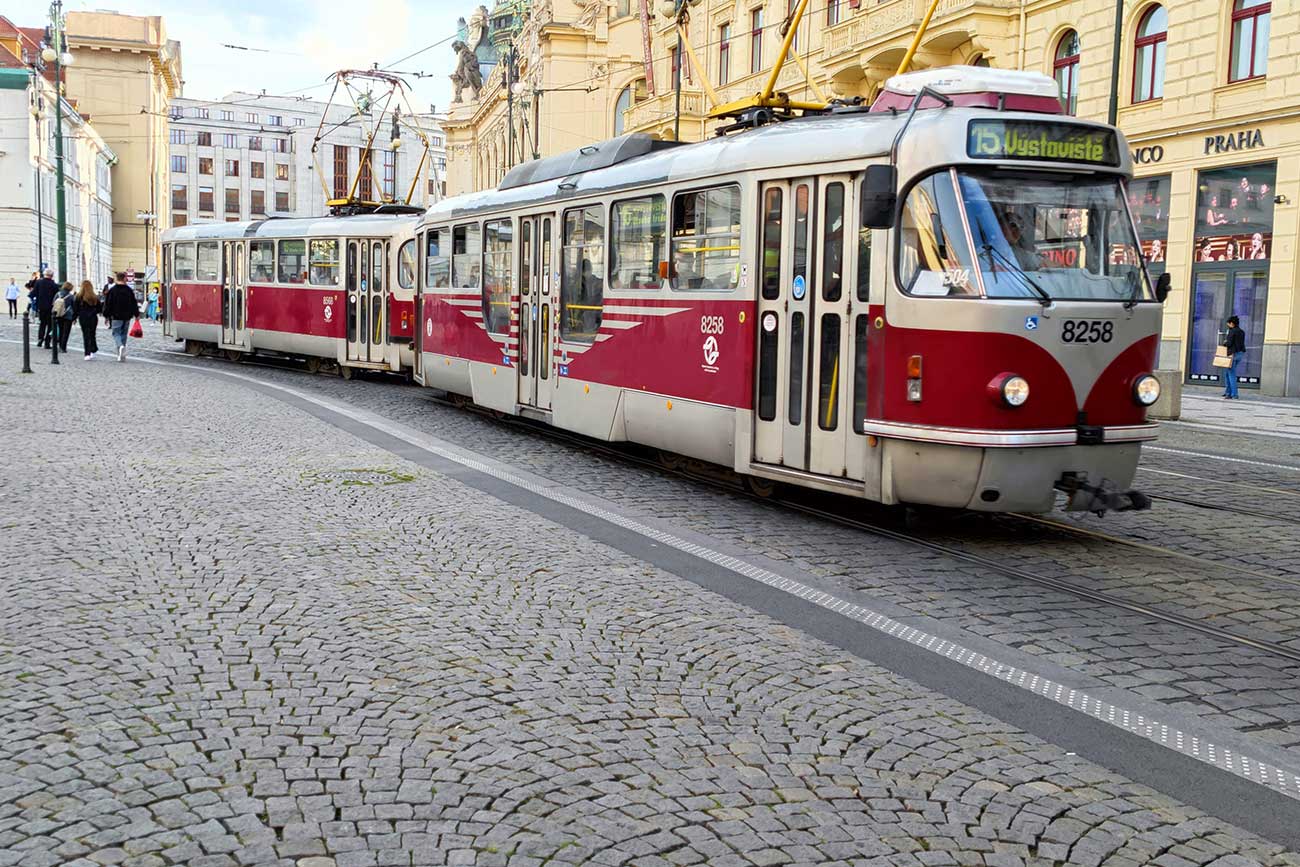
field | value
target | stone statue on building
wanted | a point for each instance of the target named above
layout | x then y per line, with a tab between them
588	13
467	72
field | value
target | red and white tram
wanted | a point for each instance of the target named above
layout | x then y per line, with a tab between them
334	289
943	306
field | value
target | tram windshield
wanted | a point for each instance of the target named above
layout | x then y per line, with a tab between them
1046	237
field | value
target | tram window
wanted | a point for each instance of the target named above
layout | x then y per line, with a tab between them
772	243
209	265
437	261
261	262
796	368
324	263
466	257
406	265
525	260
582	292
828	386
861	334
636	242
706	239
498	236
801	226
292	264
377	267
832	269
184	258
769	341
864	265
934	257
546	260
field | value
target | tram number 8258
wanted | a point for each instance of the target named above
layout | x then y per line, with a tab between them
1087	331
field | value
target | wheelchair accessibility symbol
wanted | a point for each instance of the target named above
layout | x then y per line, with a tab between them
1031	323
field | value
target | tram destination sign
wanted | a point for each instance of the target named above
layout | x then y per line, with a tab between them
1041	141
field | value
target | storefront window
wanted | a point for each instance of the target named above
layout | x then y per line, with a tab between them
1234	242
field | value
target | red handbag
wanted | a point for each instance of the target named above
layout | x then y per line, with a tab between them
137	330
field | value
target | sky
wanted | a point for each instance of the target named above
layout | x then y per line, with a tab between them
299	42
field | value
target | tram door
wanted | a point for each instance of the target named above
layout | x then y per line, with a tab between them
365	284
805	373
234	295
537	291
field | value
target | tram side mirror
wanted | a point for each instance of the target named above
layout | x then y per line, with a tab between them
879	197
1163	284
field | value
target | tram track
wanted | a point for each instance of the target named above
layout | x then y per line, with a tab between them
733	483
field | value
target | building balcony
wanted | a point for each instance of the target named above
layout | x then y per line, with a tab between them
884	27
658	114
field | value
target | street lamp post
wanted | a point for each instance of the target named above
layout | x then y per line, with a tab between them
56	55
1118	46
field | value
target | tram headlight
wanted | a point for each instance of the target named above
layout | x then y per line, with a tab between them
1009	389
1146	390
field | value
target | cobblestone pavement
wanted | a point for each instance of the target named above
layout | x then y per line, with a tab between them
1220	683
270	643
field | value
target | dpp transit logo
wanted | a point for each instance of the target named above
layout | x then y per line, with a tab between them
999	140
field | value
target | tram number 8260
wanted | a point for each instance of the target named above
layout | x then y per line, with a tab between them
1087	331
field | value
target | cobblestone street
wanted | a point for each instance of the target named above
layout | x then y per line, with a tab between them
257	638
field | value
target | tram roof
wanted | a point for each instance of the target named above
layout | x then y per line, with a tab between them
936	137
293	227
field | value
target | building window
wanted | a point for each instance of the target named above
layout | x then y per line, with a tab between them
282	145
433	187
675	60
1065	68
178	164
832	12
232	201
205	199
254	142
1148	200
230	140
340	171
297	121
205	139
257	169
390	175
498	236
623	103
724	54
282	172
638	228
365	160
201	112
756	40
281	200
1250	31
706	239
227	115
180	197
1149	55
232	168
257	202
176	112
179	219
178	136
435	140
205	165
275	120
582	291
252	118
790	6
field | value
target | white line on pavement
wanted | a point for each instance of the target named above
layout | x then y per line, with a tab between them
1291	467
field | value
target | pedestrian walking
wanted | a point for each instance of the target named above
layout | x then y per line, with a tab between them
44	291
151	309
1235	341
120	307
11	295
63	316
86	305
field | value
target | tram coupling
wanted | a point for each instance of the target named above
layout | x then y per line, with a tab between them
1099	498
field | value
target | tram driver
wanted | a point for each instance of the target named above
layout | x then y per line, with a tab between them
1024	249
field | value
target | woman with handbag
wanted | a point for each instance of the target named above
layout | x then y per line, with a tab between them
120	307
1235	343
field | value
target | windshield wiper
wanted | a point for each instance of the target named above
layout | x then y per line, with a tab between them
1014	267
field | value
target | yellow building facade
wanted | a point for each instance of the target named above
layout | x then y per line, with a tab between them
124	74
1207	92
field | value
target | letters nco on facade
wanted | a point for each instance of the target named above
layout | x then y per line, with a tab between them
1208	96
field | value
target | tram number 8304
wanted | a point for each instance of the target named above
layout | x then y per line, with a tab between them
1087	331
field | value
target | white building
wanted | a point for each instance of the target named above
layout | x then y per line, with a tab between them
28	229
248	156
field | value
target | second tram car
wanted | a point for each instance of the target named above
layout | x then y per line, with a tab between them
339	290
944	306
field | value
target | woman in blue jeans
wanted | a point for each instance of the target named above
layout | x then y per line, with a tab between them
1236	344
